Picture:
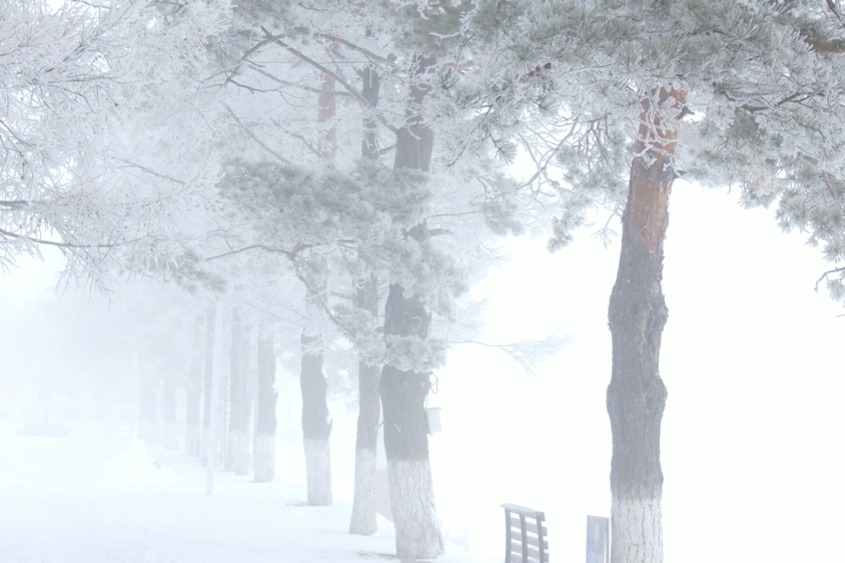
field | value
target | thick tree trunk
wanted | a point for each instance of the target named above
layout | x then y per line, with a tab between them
237	458
364	519
193	399
636	396
403	393
264	448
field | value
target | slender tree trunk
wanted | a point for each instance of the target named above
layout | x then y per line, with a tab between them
264	449
238	449
216	384
316	422
364	519
221	433
168	412
403	393
636	396
208	384
193	398
149	429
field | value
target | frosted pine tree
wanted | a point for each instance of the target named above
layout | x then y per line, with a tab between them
728	93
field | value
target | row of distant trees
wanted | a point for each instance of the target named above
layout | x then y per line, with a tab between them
358	147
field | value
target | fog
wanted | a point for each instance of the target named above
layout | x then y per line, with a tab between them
751	449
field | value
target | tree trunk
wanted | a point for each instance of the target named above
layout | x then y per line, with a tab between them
149	429
364	519
316	422
237	458
208	383
403	393
168	412
364	515
264	448
216	384
193	399
636	396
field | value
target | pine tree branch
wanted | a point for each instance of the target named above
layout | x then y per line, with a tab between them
281	82
366	52
290	254
832	47
15	203
152	172
59	244
277	39
827	274
252	136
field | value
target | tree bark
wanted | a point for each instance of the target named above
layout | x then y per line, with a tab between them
637	314
168	412
364	520
264	448
364	515
237	458
403	393
216	385
193	398
149	429
316	422
207	383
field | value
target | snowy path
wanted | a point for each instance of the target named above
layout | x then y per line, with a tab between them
99	497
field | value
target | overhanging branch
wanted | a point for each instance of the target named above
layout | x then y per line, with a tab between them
827	274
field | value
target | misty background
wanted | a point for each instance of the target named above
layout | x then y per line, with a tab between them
752	358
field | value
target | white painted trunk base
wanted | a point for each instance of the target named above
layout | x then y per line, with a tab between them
318	471
239	450
364	502
418	534
636	530
264	457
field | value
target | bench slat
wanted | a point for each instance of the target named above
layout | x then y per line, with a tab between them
530	525
525	530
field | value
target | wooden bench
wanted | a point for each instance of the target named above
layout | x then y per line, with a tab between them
526	535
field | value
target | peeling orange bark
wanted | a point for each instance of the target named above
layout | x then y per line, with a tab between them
637	314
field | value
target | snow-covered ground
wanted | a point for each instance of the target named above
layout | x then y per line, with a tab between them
100	495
